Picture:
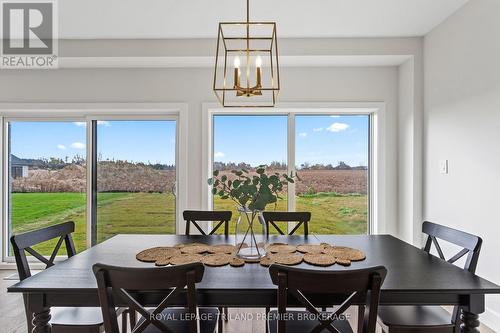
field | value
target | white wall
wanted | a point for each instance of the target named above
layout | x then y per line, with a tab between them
462	124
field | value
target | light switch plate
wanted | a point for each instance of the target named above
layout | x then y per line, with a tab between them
443	167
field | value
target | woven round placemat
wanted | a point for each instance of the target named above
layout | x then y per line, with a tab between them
343	262
217	259
280	248
346	253
157	253
321	259
307	248
237	262
222	248
288	259
195	249
182	259
266	261
162	262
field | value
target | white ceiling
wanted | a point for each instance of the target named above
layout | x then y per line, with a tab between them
199	18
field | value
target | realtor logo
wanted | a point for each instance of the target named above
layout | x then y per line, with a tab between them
28	34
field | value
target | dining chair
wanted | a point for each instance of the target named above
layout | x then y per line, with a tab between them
63	319
433	319
272	218
125	283
301	218
222	218
359	286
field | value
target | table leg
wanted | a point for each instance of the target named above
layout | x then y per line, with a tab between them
41	321
470	314
41	313
470	322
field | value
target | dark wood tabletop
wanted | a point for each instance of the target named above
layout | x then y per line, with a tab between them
414	277
410	269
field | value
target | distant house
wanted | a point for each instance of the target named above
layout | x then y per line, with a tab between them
19	167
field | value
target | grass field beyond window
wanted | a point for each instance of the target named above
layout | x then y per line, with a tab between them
153	213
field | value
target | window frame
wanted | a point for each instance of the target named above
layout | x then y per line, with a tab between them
88	112
376	144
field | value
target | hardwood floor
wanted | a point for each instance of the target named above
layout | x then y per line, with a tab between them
13	319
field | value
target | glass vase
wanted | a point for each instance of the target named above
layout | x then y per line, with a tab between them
251	235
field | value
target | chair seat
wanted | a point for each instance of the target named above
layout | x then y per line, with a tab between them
415	316
301	322
76	316
177	321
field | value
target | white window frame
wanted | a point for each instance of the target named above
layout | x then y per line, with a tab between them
377	153
88	112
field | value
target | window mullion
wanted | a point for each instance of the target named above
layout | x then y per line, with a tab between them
291	164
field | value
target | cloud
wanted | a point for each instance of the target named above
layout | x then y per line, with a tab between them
78	145
319	129
61	147
337	127
303	134
334	116
80	123
103	123
219	154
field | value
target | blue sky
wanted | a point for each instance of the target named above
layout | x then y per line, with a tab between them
138	141
255	140
320	139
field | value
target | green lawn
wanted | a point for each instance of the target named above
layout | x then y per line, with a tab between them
154	213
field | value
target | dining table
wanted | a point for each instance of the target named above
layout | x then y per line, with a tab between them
414	277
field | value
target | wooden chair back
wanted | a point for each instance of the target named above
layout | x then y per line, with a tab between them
301	218
120	282
471	247
194	216
362	285
25	242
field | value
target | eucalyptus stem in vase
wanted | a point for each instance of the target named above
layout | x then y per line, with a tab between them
252	192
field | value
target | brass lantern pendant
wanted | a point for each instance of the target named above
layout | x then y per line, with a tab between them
252	49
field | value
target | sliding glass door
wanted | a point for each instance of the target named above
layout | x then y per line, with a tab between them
136	177
330	154
130	186
46	176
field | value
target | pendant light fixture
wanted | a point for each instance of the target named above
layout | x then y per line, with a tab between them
246	70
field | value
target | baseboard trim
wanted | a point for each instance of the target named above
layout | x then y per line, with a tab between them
491	319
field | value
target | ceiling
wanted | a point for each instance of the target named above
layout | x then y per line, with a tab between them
198	18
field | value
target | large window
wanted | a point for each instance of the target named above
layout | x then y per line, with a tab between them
135	177
246	142
47	177
330	155
110	176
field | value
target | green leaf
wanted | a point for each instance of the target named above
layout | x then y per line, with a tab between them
210	181
236	183
260	171
216	173
223	178
214	191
